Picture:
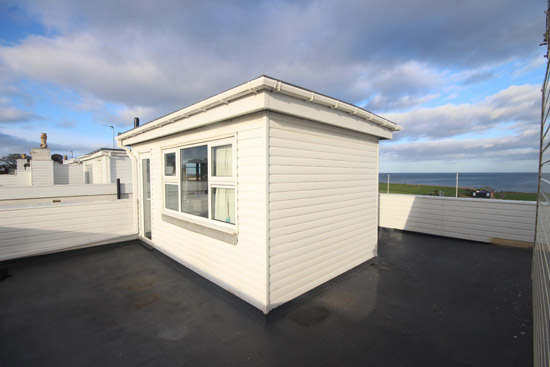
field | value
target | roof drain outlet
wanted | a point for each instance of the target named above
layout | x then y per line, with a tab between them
136	122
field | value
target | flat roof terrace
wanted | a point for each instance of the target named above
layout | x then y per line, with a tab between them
424	301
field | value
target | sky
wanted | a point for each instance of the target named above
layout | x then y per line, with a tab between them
462	78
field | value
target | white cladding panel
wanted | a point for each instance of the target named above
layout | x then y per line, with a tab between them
323	184
97	172
239	268
42	173
121	167
34	230
68	174
472	219
541	251
21	178
541	273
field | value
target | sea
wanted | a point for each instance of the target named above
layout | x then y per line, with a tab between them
501	181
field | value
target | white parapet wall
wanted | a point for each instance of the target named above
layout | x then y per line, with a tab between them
33	195
68	174
41	229
20	178
504	222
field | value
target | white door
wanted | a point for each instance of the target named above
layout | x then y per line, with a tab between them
146	195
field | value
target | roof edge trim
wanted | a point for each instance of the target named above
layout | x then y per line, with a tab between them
255	86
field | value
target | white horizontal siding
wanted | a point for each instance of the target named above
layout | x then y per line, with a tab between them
473	219
239	268
541	283
541	251
323	204
42	173
21	178
96	170
65	174
121	167
37	230
53	191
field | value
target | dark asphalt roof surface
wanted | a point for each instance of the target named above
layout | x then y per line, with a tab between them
424	301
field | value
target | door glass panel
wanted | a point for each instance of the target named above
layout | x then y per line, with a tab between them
146	183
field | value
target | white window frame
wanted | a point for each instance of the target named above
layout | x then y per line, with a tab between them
171	180
213	181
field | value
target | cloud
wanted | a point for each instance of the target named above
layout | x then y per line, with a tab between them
479	77
524	68
124	117
14	144
510	148
78	62
517	105
170	54
137	58
11	114
66	124
451	33
392	86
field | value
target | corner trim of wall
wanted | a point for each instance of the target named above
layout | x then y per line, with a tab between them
267	225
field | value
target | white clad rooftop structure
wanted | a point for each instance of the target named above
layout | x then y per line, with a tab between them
267	189
106	165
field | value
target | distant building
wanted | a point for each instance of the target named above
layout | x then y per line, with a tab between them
101	166
105	165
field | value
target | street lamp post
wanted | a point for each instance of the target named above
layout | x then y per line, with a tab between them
113	128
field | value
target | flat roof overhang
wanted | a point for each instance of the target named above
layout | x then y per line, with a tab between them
263	94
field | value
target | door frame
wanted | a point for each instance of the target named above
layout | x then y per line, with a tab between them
141	198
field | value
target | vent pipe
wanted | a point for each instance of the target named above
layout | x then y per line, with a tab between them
136	122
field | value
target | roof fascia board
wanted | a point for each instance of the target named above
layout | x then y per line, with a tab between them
223	112
252	88
87	157
296	107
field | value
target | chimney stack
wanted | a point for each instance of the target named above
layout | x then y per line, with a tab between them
43	141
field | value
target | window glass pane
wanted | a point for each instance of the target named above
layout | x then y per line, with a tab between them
170	164
171	196
223	204
194	181
222	157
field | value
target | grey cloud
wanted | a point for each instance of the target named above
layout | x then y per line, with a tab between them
169	54
66	124
461	33
152	58
518	105
124	118
478	77
10	114
523	147
13	144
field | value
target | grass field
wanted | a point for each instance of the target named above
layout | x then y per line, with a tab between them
396	188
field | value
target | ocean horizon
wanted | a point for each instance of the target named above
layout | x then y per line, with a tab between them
500	181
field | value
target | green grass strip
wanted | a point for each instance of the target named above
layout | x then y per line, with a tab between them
397	188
